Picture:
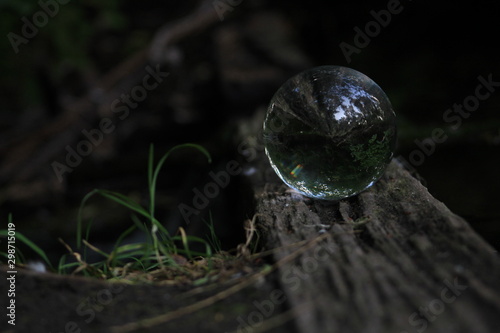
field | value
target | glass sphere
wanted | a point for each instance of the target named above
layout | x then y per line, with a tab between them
330	132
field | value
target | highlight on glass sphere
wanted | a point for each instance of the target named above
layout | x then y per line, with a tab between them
330	132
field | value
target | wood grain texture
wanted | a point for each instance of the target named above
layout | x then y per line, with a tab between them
392	259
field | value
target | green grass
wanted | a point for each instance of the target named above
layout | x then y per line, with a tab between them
160	252
19	237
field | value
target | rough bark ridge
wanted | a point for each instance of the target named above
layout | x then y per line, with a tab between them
393	259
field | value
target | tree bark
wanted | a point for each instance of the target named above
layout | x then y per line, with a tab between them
391	259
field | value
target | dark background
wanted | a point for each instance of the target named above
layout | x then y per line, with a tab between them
426	59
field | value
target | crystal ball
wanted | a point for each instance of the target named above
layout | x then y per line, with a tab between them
330	132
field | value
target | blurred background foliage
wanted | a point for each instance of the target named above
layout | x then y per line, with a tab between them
428	58
62	46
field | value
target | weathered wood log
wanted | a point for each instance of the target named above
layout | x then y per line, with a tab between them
391	259
46	302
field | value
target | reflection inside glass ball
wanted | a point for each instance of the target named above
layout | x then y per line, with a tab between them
330	132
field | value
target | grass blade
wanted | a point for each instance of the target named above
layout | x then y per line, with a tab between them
30	244
153	175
